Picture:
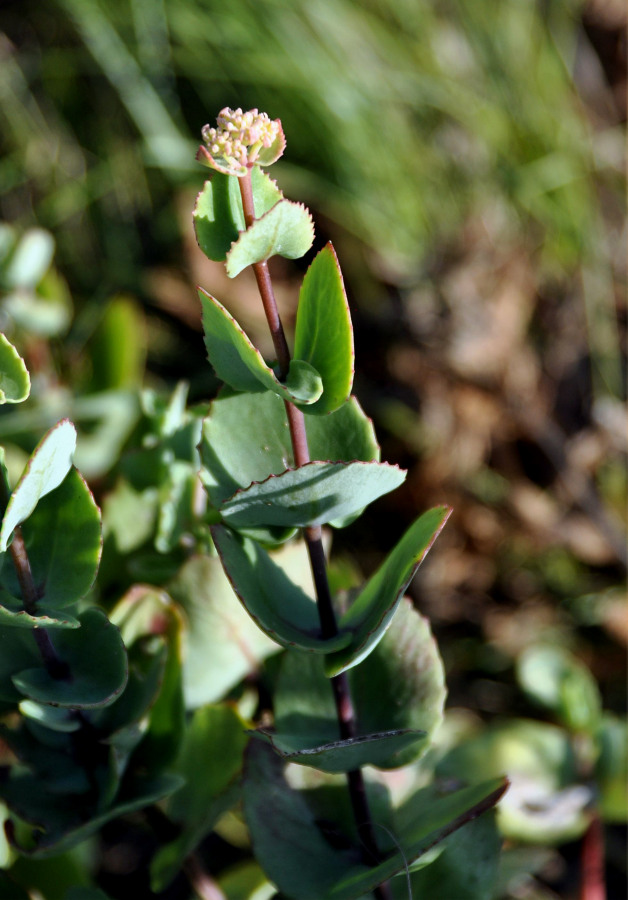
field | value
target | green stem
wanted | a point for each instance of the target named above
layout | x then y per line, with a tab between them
313	539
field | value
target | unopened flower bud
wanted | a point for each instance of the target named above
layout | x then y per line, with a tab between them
240	141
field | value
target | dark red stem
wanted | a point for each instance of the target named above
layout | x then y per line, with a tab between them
55	666
313	539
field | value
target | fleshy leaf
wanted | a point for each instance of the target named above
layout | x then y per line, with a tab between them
65	525
96	659
13	615
218	215
239	363
246	438
400	687
278	606
313	494
323	334
345	755
222	644
371	613
305	866
213	747
15	383
48	465
285	230
62	825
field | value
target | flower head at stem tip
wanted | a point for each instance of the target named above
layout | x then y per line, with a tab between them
240	141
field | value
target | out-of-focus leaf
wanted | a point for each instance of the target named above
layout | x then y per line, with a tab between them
371	612
117	350
96	660
285	230
560	682
245	881
143	612
240	364
15	383
48	465
221	643
323	334
62	825
611	768
31	259
545	803
63	541
210	761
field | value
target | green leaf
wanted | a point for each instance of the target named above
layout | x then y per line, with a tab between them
401	684
31	259
239	363
611	768
13	615
18	651
62	826
117	348
399	688
96	659
15	383
341	756
285	230
52	717
48	465
313	494
323	334
305	866
557	680
466	869
371	613
63	541
246	438
546	803
147	613
222	644
218	215
278	606
210	762
245	881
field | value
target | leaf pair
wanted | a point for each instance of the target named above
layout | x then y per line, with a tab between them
321	373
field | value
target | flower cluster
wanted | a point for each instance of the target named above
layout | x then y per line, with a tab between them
241	140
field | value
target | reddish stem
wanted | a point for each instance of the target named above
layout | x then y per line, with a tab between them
592	878
313	539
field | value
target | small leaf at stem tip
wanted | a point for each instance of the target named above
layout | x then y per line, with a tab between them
323	334
285	230
48	465
15	383
218	215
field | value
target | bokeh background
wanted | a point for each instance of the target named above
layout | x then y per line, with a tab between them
467	161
